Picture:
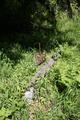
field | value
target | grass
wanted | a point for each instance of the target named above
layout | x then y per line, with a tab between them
13	81
61	87
57	94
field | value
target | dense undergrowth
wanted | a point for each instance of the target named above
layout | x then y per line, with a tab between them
58	93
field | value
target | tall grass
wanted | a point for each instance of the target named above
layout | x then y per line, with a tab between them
58	93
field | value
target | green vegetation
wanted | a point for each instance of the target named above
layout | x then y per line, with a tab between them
58	93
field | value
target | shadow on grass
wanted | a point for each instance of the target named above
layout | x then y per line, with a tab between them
11	50
13	45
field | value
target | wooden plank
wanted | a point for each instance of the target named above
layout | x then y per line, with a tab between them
41	72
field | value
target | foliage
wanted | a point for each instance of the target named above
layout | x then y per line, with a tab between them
13	81
61	87
58	93
23	16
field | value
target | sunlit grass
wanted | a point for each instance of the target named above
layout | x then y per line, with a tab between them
58	93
